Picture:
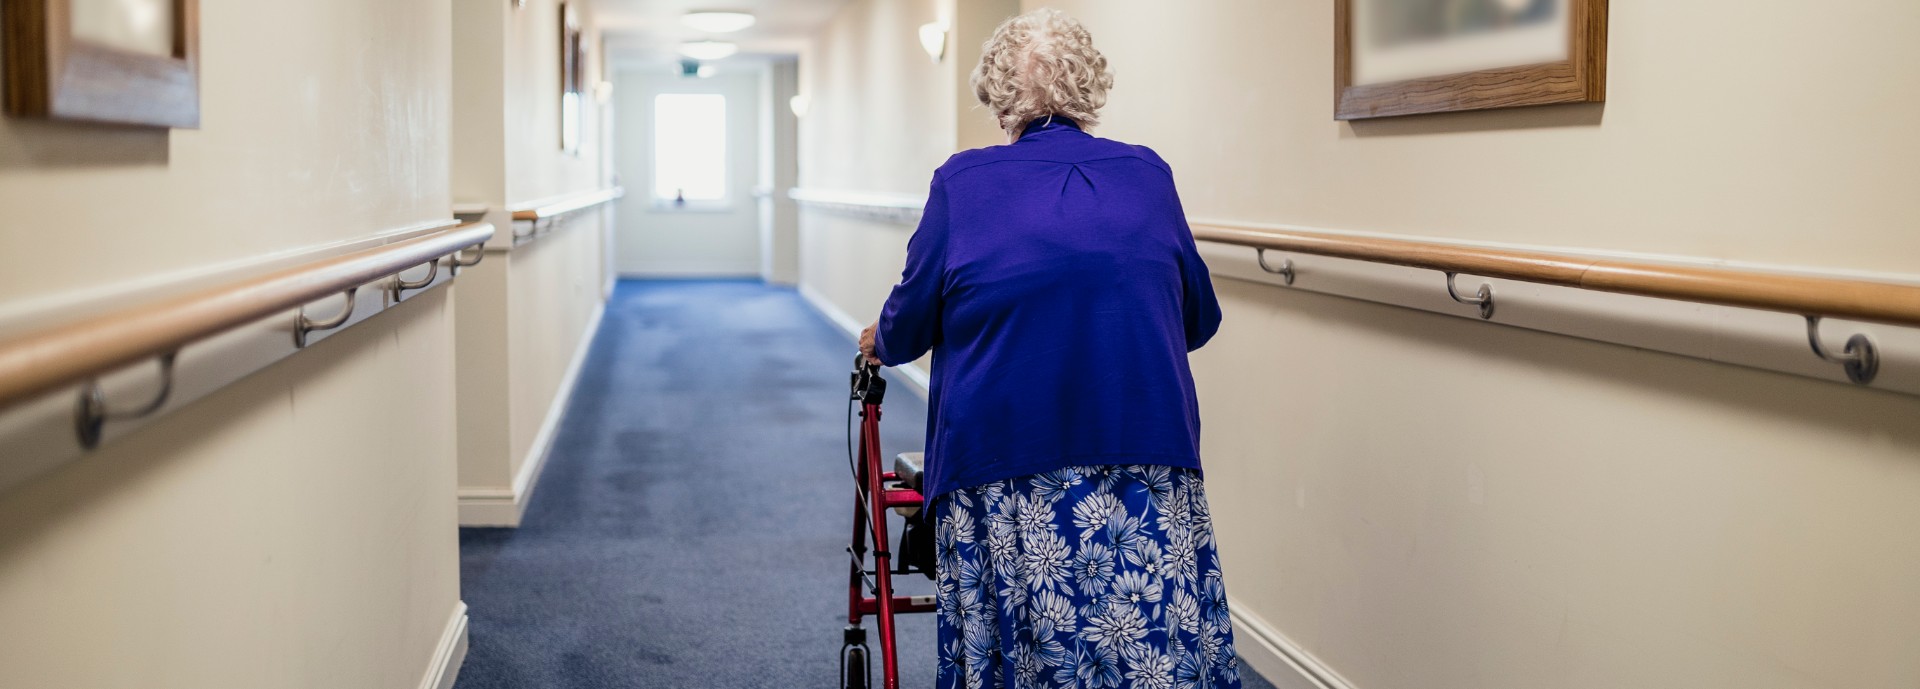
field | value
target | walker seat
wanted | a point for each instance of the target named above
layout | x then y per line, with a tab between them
909	466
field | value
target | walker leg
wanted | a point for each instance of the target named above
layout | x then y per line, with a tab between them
858	550
883	579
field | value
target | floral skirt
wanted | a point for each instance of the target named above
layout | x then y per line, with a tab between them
1092	577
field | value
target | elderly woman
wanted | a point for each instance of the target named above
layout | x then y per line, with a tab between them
1057	285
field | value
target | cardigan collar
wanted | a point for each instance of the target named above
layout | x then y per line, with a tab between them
1048	124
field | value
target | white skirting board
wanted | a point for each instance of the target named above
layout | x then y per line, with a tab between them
450	653
1277	658
916	377
504	507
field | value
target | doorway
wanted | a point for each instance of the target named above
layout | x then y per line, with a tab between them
687	152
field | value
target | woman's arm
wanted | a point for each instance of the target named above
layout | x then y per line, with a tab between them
909	324
1200	308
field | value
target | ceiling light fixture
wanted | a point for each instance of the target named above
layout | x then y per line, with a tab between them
708	50
717	22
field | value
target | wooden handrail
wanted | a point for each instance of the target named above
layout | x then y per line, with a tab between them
1863	300
548	208
39	362
1878	302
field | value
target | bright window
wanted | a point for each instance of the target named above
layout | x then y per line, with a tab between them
689	147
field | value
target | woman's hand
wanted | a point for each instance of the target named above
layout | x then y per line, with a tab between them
866	345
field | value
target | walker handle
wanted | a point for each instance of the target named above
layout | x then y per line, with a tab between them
868	386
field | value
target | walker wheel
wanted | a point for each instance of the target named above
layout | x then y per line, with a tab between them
854	667
855	671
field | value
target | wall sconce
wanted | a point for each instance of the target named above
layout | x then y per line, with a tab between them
799	105
933	37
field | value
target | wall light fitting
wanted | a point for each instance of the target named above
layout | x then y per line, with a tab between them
933	37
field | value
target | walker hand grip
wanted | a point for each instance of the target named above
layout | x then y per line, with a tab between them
868	386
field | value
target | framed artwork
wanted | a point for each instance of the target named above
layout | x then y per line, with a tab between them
1409	57
115	61
572	78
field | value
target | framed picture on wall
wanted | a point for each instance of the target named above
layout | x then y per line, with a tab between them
1409	57
572	78
115	61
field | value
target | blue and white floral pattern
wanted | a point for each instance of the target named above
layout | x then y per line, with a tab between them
1096	577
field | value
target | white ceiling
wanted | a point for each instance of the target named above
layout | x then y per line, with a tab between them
646	30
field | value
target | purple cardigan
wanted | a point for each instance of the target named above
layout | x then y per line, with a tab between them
1058	287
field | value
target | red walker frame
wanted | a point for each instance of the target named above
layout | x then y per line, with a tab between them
879	491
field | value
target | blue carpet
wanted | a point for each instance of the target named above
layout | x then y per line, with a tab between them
690	525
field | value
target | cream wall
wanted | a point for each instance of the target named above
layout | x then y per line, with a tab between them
521	345
973	22
522	340
323	142
536	167
1424	501
554	306
880	114
479	172
1436	503
485	395
882	117
849	263
1765	143
1412	500
296	529
507	92
779	172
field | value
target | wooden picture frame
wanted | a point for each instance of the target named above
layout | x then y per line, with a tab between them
572	79
1579	78
52	73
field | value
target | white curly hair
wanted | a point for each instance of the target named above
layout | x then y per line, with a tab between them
1042	64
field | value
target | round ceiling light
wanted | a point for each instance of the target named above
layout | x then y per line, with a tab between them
708	50
717	22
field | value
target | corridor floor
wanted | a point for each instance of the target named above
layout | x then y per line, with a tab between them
690	525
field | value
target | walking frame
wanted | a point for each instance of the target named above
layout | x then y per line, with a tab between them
870	591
